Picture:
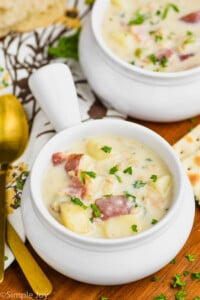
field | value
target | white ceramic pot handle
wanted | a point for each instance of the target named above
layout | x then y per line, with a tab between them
54	89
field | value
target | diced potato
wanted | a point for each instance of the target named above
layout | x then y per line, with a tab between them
118	3
124	40
162	184
74	217
93	148
120	226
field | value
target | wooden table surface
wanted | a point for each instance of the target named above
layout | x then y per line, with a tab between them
16	287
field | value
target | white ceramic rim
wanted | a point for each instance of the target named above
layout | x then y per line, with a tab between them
96	20
117	125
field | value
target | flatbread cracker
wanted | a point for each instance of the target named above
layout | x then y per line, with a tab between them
188	144
188	151
191	166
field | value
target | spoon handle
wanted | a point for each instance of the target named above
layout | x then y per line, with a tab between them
38	281
2	221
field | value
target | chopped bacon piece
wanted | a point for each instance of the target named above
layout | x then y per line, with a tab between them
72	162
58	158
113	206
76	187
164	53
193	17
185	56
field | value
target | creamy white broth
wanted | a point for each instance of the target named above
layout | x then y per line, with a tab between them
117	169
151	35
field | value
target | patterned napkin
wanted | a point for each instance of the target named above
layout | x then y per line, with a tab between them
20	56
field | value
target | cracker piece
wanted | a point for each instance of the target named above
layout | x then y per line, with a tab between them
188	144
191	165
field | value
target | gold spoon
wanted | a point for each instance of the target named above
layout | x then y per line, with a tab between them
13	140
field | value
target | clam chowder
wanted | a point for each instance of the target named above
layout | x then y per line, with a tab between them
161	36
107	187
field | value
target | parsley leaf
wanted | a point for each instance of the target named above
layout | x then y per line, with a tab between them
106	149
77	201
96	210
154	221
134	228
128	171
154	177
190	257
139	19
114	169
67	47
167	8
177	281
195	276
138	184
180	295
87	173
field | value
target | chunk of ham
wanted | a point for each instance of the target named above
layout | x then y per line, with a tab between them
113	206
185	56
72	162
193	17
164	53
58	158
76	187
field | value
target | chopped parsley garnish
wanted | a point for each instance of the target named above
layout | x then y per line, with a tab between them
154	278
132	62
138	52
154	177
134	228
96	210
139	19
104	298
190	257
118	178
158	38
163	61
154	221
177	281
153	59
128	195
128	171
173	261
106	149
138	184
186	272
149	159
160	297
180	295
77	201
114	169
87	173
167	8
195	275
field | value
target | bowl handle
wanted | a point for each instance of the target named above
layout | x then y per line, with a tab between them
53	88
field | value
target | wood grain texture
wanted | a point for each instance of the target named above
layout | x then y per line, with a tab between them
16	287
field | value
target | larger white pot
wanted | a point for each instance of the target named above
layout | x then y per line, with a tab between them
140	93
